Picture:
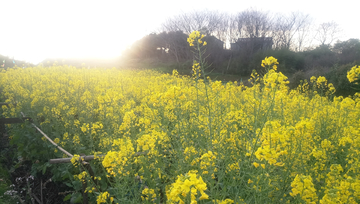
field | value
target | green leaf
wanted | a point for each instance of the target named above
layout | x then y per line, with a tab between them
77	184
44	169
76	198
67	197
103	184
65	174
68	184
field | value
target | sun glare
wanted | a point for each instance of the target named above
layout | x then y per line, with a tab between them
39	29
78	29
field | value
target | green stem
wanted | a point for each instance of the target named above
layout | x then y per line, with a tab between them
202	65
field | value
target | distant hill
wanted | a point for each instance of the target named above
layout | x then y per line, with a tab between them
6	62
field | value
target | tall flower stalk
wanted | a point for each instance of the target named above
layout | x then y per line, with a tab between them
195	40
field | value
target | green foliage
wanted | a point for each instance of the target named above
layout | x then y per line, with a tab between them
348	51
5	178
337	76
163	47
4	184
319	57
289	61
245	142
169	50
296	79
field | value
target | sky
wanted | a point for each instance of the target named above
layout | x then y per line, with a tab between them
38	29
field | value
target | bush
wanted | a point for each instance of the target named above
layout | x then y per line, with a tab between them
321	56
289	61
296	78
348	51
337	76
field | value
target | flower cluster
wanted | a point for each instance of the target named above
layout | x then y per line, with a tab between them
75	159
270	62
116	161
274	79
82	176
102	197
148	194
304	186
226	201
184	138
186	188
196	37
207	160
354	74
196	70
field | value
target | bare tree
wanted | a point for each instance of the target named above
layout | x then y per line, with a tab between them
287	31
303	32
303	37
253	23
248	31
209	22
222	22
176	45
328	32
291	31
233	33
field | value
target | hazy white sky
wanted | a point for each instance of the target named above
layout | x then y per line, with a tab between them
37	29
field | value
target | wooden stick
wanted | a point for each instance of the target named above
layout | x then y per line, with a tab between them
87	158
13	120
67	160
84	194
52	142
7	104
4	104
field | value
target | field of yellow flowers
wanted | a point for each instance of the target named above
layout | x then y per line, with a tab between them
176	139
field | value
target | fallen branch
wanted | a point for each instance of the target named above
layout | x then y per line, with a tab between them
52	142
67	160
87	158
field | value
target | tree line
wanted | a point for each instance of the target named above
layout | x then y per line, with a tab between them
302	47
294	32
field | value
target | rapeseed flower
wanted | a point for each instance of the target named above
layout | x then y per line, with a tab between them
102	197
353	74
149	194
303	186
152	127
270	62
75	159
190	183
195	36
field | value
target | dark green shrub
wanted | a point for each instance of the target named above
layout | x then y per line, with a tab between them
321	56
337	76
289	61
296	78
348	51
